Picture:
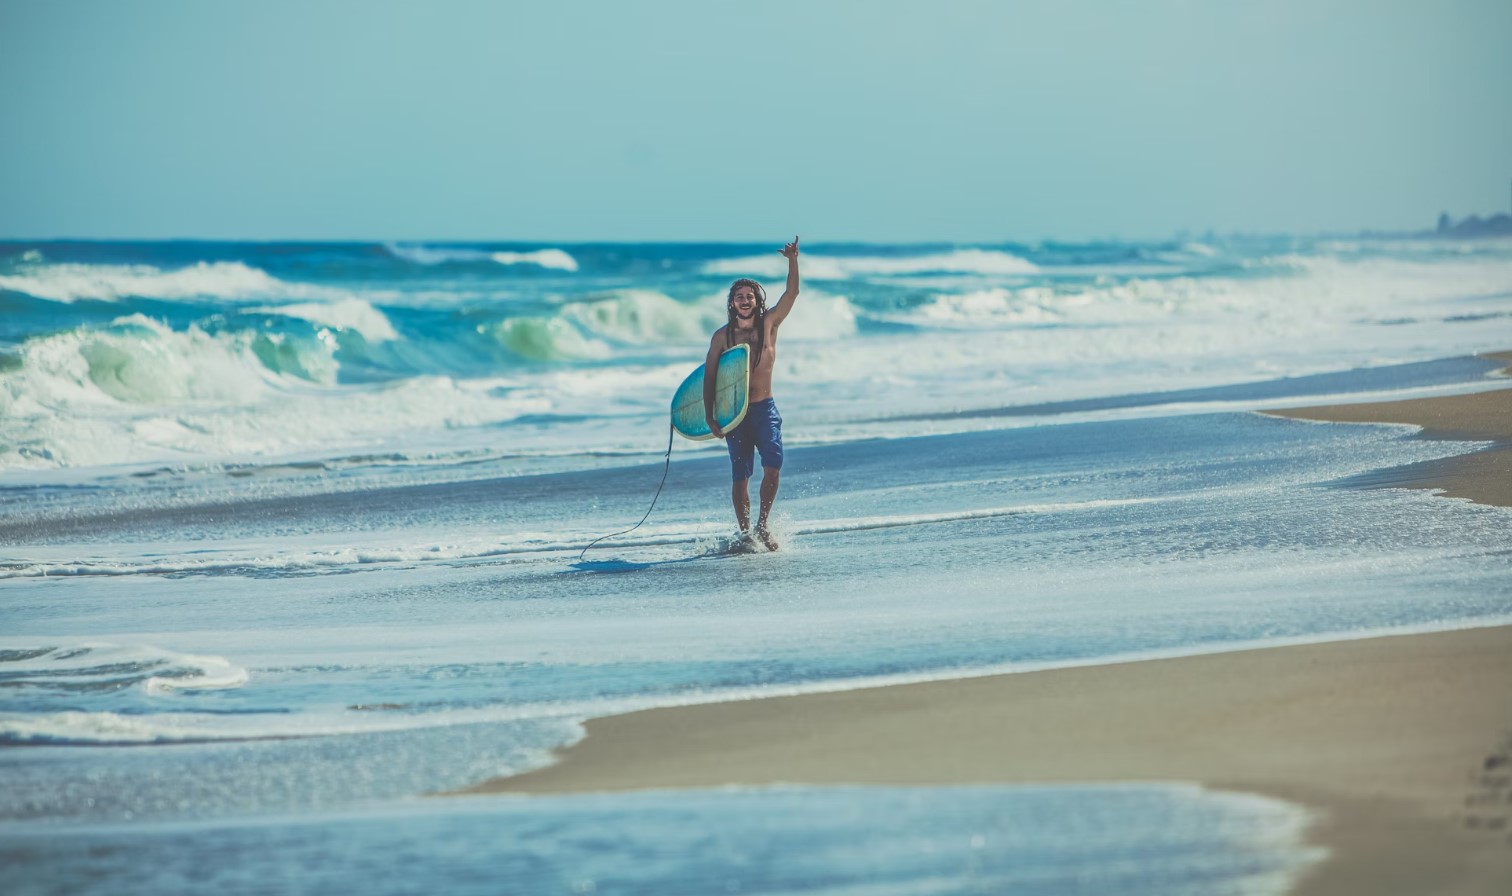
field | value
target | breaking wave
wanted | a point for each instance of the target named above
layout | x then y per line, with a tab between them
205	280
593	330
554	259
1283	293
837	267
429	256
547	339
135	360
645	317
139	390
346	314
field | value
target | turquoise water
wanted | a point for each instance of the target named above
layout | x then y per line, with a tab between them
290	534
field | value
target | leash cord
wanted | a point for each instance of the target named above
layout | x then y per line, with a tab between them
671	433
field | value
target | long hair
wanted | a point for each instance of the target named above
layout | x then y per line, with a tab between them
760	318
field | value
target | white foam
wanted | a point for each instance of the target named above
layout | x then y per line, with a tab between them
346	314
838	267
219	280
136	360
643	316
434	255
92	396
97	727
547	339
520	545
555	259
106	727
154	669
1030	344
819	316
992	307
140	391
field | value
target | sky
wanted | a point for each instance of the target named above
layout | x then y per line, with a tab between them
967	121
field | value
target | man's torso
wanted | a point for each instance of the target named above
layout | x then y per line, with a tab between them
761	368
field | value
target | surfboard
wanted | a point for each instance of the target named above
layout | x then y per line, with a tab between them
732	394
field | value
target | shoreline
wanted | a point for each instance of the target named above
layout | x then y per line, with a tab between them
1484	477
1401	745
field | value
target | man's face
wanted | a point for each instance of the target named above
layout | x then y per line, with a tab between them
744	302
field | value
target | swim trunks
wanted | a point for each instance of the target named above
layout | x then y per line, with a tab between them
761	430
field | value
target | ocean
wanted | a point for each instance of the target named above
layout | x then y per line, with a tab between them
291	537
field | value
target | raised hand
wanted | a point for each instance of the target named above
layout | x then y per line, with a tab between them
791	249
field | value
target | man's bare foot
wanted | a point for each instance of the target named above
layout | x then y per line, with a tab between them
744	543
766	538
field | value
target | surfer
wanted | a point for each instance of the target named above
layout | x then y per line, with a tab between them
752	323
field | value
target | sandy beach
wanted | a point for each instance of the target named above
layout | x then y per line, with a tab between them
1402	745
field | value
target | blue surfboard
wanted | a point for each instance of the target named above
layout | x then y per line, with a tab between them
732	394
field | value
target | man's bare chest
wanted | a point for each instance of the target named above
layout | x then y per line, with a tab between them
748	337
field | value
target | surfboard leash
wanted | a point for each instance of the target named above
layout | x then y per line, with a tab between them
671	434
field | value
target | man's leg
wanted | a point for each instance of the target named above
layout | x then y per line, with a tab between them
771	477
742	465
740	494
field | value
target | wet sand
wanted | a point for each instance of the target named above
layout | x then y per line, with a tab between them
1484	477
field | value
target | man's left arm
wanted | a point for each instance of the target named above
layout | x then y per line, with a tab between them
790	295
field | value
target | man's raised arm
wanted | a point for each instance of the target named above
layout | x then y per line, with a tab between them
790	295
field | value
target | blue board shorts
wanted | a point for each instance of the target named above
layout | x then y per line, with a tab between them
761	430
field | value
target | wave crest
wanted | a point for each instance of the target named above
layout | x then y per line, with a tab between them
840	267
109	283
346	314
430	256
139	390
646	317
135	360
547	339
591	330
555	259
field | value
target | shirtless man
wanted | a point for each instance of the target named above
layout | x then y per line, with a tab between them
761	430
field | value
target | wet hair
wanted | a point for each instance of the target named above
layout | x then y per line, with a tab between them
760	318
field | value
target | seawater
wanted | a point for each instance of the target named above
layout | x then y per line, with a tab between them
291	536
1068	840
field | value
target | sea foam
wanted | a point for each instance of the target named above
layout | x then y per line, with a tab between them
841	267
204	280
346	314
429	256
101	667
642	316
555	259
140	390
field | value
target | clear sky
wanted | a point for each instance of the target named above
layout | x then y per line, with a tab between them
952	120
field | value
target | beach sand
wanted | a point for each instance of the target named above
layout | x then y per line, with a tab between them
1402	745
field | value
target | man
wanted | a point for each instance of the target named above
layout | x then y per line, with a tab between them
751	323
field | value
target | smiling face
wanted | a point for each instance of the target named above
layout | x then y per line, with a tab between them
743	303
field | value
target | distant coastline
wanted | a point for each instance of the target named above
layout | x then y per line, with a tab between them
1474	226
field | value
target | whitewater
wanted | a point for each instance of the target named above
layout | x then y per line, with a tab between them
290	534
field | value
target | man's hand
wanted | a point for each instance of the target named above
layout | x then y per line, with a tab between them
714	428
791	249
